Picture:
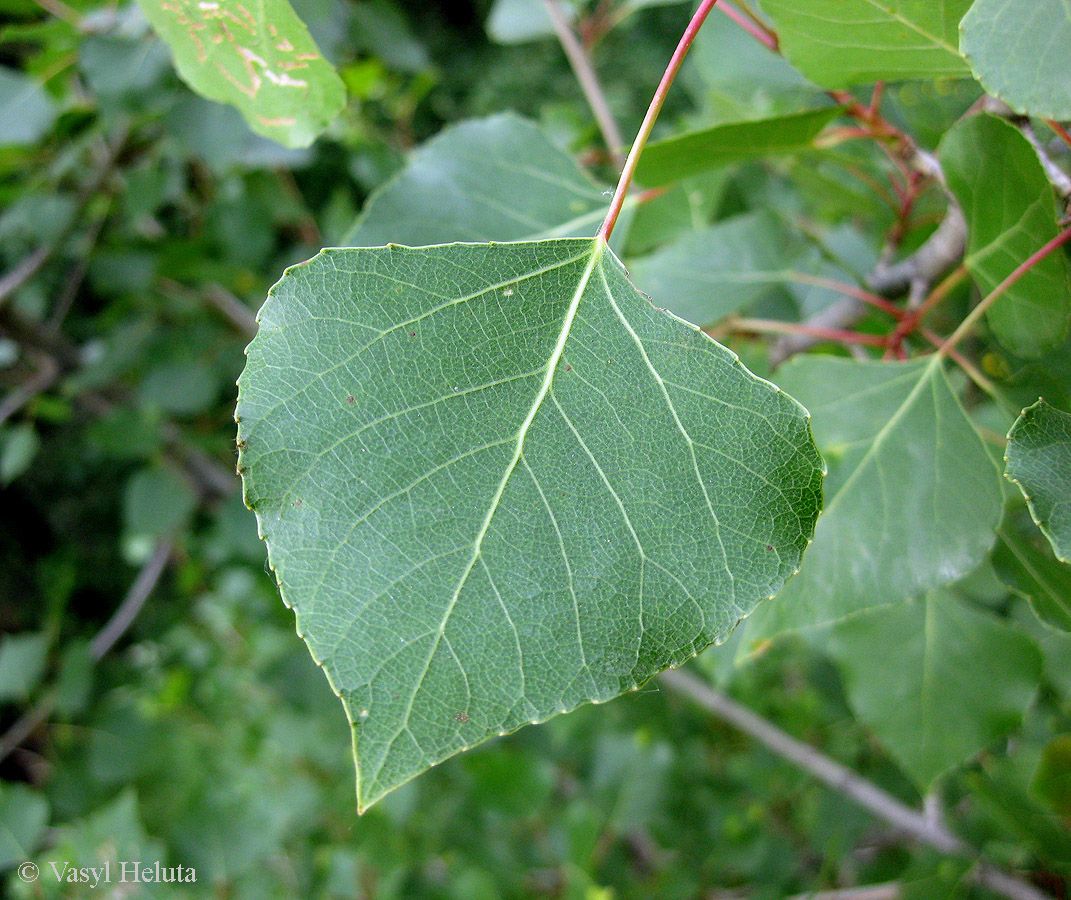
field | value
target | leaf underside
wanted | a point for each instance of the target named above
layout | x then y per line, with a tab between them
496	483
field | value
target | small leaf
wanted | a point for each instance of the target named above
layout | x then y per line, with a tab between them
497	178
912	497
26	109
962	679
24	813
1039	461
671	159
1023	561
496	483
1011	212
263	61
22	664
839	43
1018	51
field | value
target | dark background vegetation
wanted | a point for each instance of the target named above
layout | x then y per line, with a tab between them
207	737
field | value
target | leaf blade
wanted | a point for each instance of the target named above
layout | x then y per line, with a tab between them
472	560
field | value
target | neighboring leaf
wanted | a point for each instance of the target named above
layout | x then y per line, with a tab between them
839	43
1017	49
1038	459
912	498
466	184
1024	562
496	483
1011	212
157	502
22	664
23	820
937	679
1052	782
25	108
735	77
710	273
264	62
671	159
518	21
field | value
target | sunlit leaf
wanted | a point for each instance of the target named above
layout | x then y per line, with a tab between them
838	43
1018	51
257	56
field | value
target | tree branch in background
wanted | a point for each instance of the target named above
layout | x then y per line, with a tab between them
917	825
589	82
146	580
14	279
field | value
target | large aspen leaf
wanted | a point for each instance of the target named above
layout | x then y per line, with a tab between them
495	483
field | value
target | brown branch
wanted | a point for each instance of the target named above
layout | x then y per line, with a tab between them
917	825
146	580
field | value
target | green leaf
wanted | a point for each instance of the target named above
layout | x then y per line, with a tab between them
23	820
1023	561
838	43
467	184
22	664
496	483
519	21
671	159
1011	212
258	57
736	77
1039	461
912	498
1052	782
25	108
937	680
157	502
1017	49
715	271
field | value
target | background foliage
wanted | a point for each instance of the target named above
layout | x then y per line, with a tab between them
924	643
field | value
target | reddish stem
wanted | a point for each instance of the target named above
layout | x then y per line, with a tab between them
653	110
911	321
1060	130
759	32
849	290
836	335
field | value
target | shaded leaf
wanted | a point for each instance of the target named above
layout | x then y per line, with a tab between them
1017	49
262	61
496	483
712	272
912	497
1023	561
1039	461
1011	212
937	679
838	43
24	814
25	108
467	184
22	664
671	159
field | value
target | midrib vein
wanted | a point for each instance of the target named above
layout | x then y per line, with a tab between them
522	433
